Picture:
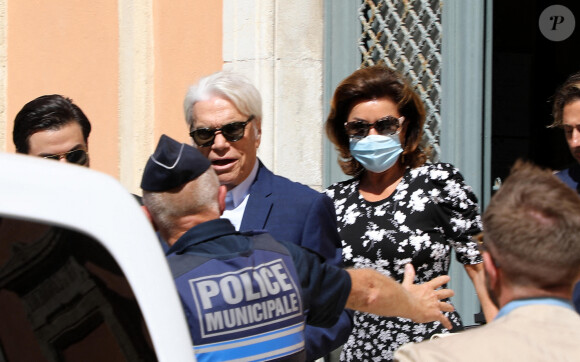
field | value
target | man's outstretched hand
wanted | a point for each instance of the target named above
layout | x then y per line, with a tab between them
426	298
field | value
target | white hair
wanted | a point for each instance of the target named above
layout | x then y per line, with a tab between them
233	86
195	197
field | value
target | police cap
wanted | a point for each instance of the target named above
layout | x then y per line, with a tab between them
172	165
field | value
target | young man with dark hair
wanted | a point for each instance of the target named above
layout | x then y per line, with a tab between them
53	127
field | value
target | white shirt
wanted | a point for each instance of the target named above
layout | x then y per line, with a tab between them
237	198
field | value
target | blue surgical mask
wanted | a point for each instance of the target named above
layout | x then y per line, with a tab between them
376	153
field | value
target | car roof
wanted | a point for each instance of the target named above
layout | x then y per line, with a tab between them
97	205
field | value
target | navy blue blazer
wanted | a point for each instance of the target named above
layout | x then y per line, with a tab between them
293	212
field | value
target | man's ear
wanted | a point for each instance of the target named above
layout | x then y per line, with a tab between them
222	191
258	132
149	217
490	268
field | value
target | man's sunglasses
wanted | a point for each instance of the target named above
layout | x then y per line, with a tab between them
79	157
385	126
204	137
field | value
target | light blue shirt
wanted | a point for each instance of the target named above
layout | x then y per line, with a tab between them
237	198
533	301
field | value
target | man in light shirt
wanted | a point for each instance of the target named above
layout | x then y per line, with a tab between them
531	256
53	127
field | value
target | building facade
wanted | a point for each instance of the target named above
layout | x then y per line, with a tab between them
485	69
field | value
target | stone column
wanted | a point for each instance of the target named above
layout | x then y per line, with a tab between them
279	46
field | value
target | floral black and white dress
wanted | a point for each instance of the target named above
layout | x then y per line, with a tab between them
431	211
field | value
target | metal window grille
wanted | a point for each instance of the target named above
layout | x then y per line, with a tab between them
406	35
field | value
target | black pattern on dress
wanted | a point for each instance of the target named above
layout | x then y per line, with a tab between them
430	211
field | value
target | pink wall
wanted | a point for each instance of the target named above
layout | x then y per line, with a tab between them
188	45
71	47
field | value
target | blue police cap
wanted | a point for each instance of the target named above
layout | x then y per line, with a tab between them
173	164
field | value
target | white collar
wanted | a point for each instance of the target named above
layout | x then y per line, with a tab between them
239	193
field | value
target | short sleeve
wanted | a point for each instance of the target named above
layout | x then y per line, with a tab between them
460	207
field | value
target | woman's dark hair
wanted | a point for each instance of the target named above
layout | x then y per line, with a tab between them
370	83
565	94
49	112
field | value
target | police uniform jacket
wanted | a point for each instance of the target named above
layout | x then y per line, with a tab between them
247	297
294	212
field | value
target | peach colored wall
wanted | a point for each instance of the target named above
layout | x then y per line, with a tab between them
69	47
188	45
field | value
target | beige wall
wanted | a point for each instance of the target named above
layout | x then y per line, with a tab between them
185	50
66	47
126	63
279	46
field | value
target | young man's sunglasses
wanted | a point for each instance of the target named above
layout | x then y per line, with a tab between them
204	137
79	157
385	126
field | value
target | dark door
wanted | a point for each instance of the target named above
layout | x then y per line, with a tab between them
527	68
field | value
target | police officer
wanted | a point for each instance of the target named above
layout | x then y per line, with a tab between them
246	295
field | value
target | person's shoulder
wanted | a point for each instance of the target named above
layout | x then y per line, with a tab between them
302	257
460	346
344	184
574	168
285	186
536	325
435	169
263	239
439	173
570	176
431	351
341	187
285	182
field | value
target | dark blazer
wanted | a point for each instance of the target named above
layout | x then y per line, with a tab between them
294	212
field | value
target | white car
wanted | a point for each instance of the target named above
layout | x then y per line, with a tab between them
82	273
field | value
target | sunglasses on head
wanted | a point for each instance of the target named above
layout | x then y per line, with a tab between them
79	157
204	137
385	126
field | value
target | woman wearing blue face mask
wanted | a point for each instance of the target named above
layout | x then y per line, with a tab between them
397	208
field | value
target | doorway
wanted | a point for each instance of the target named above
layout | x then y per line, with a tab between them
527	67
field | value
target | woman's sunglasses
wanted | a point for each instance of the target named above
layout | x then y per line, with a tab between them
204	137
79	157
385	126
